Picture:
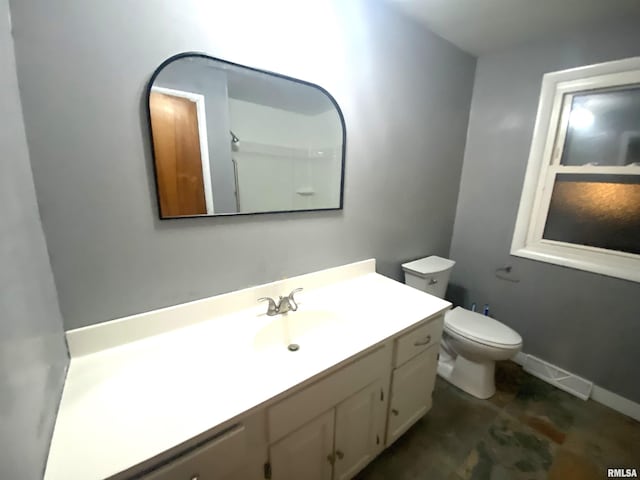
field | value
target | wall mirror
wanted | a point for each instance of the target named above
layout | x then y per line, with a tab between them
230	140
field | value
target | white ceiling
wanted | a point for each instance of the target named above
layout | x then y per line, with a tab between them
483	26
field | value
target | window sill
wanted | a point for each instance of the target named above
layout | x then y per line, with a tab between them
626	267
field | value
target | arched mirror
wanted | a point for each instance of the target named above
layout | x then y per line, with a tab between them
229	139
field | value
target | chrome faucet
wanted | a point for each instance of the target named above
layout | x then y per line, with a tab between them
284	305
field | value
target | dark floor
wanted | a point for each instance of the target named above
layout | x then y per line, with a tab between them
527	430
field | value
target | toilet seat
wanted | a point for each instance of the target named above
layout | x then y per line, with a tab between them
481	329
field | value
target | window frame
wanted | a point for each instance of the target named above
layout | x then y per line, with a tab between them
552	121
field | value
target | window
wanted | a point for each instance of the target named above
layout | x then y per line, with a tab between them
580	204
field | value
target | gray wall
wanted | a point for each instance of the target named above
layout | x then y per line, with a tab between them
586	323
196	77
33	354
405	94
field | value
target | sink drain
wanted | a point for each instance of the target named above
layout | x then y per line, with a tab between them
294	347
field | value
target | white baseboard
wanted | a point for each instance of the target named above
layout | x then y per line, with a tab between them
520	358
616	402
576	385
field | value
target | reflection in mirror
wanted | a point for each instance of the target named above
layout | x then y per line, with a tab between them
231	140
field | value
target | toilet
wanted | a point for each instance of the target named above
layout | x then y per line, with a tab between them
471	342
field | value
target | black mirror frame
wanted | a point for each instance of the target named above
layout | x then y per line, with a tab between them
303	82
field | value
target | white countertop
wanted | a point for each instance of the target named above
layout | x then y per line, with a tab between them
143	396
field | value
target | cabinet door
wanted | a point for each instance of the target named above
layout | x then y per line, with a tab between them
359	430
411	388
306	453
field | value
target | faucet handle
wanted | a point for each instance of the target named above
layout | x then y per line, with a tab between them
273	308
292	300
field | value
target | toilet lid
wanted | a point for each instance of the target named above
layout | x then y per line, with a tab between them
480	328
428	265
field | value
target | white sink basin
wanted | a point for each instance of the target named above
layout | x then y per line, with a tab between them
300	328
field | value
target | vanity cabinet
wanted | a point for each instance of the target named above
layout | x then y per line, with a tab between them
337	444
254	410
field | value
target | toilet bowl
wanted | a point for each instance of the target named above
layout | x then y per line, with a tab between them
471	343
470	346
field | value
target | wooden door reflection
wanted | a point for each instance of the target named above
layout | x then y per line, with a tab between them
176	145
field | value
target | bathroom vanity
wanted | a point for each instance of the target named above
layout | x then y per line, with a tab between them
208	390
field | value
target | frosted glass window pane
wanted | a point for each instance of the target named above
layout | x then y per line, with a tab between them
604	129
596	210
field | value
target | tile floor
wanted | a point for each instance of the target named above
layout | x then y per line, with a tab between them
528	430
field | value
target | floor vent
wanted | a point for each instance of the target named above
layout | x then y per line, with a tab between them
558	377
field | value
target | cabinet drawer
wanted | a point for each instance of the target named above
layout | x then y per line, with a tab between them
418	340
219	459
297	409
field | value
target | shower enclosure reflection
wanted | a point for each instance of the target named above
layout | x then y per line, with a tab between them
231	140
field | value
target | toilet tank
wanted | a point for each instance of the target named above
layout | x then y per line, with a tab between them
429	274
